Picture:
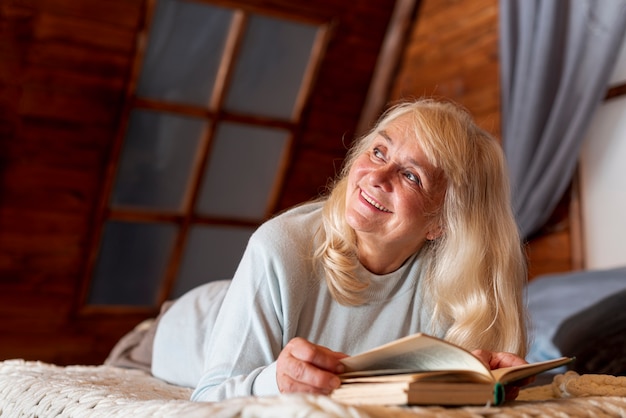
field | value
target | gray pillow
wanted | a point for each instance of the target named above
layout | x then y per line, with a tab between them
596	337
553	299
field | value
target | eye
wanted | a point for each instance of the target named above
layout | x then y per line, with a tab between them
412	178
377	153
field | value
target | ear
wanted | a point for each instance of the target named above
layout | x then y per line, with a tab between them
435	232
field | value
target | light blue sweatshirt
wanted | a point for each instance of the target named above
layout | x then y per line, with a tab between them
277	294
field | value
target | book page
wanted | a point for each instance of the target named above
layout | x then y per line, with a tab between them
511	374
437	376
415	353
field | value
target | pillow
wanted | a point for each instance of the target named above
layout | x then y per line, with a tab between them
596	337
553	299
178	349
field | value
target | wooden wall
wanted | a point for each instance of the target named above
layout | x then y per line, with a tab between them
453	52
63	70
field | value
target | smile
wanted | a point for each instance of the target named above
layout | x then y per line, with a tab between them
374	203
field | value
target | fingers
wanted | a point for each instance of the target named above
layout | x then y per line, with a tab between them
497	360
306	367
501	359
308	380
511	393
319	356
483	355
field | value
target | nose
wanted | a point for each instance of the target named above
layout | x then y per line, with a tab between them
382	177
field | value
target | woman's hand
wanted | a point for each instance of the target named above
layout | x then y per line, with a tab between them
305	367
497	360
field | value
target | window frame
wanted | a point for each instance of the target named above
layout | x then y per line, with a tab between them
185	218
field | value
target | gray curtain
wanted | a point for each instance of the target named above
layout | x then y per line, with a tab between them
556	57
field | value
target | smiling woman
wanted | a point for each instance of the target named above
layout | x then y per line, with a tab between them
416	235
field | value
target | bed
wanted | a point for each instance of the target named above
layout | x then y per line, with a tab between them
579	314
34	389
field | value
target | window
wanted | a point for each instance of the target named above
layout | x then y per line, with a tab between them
213	112
602	174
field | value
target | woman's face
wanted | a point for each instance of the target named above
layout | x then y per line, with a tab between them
393	191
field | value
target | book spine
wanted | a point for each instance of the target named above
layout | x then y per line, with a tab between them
498	393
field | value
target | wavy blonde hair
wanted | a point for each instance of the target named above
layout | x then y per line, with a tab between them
476	270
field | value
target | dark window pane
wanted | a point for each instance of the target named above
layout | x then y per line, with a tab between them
212	253
132	263
184	51
157	159
270	69
242	171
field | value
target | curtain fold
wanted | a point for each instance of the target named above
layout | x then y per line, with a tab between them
556	57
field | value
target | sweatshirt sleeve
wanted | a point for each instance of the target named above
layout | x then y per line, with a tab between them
252	326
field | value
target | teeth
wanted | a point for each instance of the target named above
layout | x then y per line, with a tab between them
375	204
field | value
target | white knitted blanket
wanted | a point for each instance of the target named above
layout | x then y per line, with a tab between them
35	389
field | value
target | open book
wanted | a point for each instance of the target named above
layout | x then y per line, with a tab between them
421	369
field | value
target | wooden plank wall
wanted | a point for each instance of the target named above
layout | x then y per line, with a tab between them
453	52
64	66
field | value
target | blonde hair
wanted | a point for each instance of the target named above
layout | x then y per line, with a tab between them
476	270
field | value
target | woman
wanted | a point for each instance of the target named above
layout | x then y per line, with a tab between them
417	235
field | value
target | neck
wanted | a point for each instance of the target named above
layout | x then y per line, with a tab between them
381	259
